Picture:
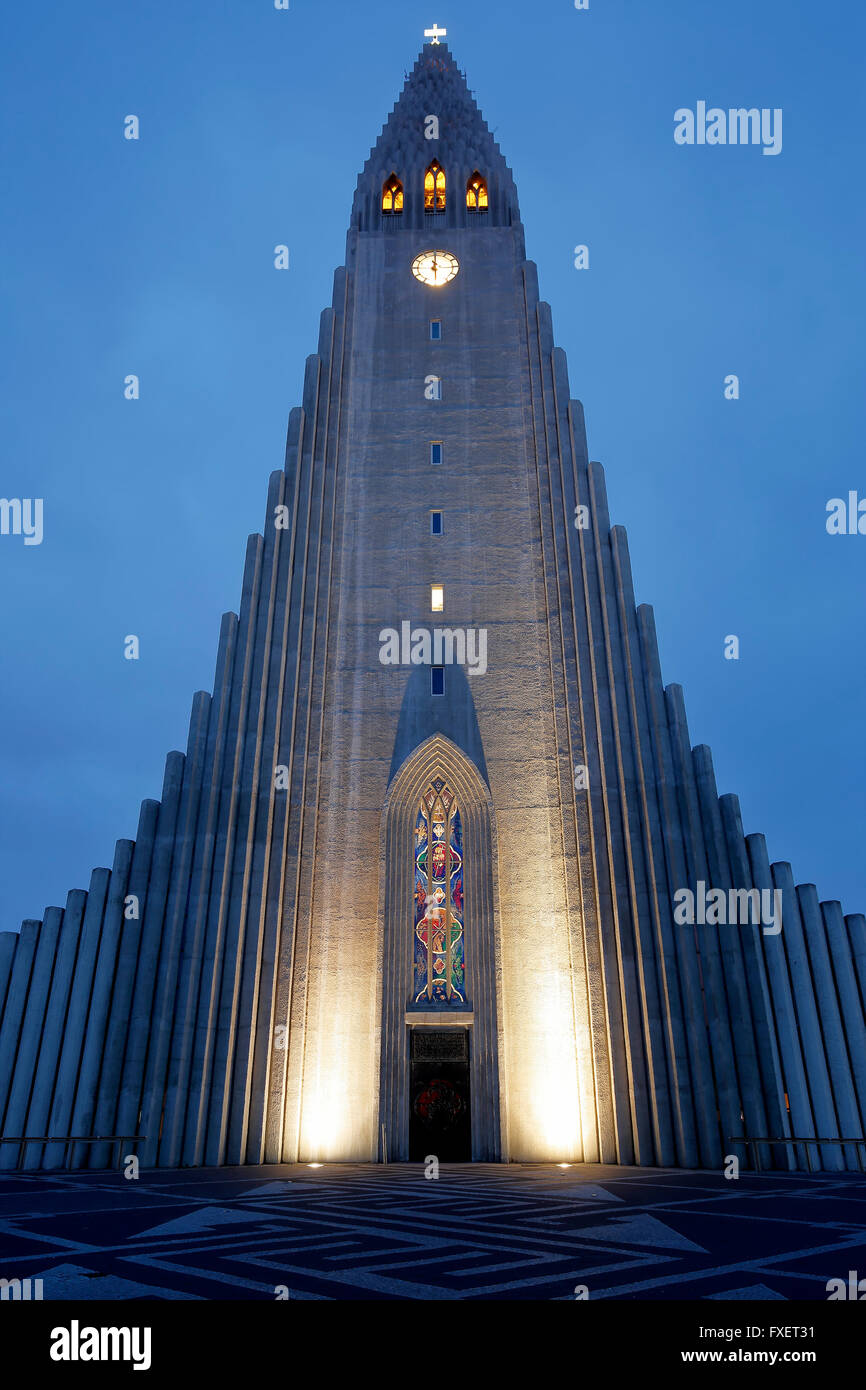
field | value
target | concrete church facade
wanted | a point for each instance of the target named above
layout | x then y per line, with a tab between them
420	882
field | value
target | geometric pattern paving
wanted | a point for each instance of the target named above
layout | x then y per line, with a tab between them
481	1231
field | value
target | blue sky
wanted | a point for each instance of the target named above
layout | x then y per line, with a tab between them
156	257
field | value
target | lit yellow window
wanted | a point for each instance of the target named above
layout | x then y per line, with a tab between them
437	598
476	193
434	188
392	195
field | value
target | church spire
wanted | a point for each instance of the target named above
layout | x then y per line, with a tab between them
435	121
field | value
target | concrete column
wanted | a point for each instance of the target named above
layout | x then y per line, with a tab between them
243	939
833	1032
856	924
850	1003
719	1023
669	1048
32	1025
130	929
633	1085
592	808
272	1071
54	1024
593	1060
255	1001
800	1120
8	943
198	981
69	1065
219	965
739	1003
556	479
128	1117
100	1003
809	1025
679	941
766	1042
16	1003
164	1001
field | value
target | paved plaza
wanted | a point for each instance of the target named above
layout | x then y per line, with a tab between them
478	1232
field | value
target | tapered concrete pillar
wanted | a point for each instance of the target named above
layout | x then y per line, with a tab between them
93	1050
75	1032
833	1033
850	1003
808	1021
101	1155
32	1026
130	1098
16	1003
856	924
55	1020
727	1086
801	1120
171	945
750	929
8	943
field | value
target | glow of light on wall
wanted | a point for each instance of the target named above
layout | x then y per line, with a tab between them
321	1129
548	1127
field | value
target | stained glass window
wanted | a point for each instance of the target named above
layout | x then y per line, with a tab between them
476	193
434	188
392	195
439	979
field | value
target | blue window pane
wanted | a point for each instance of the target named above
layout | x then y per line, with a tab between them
437	680
435	453
436	523
435	329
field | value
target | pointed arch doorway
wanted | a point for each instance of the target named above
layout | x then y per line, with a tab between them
439	1073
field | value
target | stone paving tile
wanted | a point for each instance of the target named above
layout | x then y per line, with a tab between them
482	1231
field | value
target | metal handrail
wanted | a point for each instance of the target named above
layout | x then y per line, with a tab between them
68	1139
856	1144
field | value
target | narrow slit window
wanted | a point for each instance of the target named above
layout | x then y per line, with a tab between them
436	527
436	452
437	598
436	329
437	680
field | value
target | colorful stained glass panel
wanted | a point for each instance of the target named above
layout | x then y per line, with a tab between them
439	966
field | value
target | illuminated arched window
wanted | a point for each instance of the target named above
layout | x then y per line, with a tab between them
434	188
439	970
392	195
476	193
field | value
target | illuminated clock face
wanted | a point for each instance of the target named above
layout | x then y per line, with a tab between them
435	268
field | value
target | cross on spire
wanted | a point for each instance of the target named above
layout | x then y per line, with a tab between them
435	34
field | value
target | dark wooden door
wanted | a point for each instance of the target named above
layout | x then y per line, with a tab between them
439	1117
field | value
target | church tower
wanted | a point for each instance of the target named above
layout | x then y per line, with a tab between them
439	872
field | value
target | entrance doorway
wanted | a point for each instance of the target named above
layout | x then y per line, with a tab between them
439	1115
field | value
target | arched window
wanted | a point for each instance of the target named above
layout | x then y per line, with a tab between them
476	193
392	195
434	188
440	977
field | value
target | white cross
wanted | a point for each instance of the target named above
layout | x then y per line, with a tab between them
435	33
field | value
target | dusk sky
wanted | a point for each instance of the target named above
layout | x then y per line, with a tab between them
156	257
